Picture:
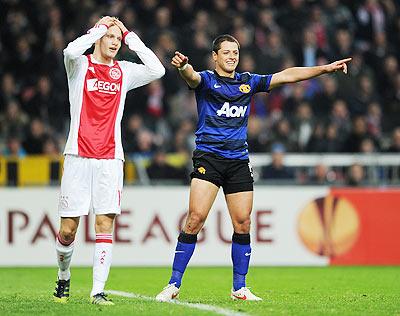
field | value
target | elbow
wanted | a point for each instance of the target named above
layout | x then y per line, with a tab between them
159	71
67	52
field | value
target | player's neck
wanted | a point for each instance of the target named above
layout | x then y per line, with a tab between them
100	58
223	73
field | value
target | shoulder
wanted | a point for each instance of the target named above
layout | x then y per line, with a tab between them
206	77
206	74
125	64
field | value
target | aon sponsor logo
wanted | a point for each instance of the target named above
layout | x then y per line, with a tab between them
232	111
102	86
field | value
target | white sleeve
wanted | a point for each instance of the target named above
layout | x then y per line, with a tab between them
76	48
138	74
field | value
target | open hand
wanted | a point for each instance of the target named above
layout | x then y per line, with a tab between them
120	25
179	60
106	20
338	65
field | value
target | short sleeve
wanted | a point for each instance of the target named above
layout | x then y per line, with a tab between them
261	82
205	79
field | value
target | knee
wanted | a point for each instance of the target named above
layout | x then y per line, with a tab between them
242	225
68	233
194	222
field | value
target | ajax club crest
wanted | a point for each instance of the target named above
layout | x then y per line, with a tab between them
115	73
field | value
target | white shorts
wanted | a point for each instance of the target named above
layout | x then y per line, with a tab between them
90	184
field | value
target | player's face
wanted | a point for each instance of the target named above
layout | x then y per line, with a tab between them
110	43
227	57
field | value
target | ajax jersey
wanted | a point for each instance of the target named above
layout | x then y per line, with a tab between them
223	106
97	94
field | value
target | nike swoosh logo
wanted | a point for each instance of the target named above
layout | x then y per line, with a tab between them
216	86
240	297
247	254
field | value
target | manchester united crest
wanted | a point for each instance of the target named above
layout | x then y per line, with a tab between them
244	88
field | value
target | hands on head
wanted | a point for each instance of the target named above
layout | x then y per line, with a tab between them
110	21
179	60
339	65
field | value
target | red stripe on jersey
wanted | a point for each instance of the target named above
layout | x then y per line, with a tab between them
105	241
100	103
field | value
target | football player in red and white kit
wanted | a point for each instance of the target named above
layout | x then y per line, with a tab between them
93	165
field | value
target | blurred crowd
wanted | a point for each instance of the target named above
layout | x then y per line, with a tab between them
354	113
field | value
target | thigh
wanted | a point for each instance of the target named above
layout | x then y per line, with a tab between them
202	196
240	205
107	186
238	177
75	195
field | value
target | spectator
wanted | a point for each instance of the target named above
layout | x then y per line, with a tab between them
36	137
160	169
303	125
276	170
13	122
355	175
359	133
321	175
341	118
395	144
333	143
317	140
14	148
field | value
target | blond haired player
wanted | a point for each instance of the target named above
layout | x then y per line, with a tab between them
93	165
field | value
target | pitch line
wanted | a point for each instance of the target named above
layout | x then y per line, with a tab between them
203	307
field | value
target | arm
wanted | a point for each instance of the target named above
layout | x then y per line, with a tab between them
152	68
296	74
77	47
186	70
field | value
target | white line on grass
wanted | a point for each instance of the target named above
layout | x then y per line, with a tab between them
204	307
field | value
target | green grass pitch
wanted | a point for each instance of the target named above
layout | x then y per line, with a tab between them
285	290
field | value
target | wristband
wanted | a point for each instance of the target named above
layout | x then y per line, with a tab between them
124	35
183	67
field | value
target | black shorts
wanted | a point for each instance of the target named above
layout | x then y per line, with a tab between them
234	175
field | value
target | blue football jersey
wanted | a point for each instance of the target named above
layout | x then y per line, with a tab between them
223	106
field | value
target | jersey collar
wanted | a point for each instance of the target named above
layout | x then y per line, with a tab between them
226	79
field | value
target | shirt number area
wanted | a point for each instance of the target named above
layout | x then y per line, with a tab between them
232	111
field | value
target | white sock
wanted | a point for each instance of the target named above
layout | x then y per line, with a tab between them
64	255
101	262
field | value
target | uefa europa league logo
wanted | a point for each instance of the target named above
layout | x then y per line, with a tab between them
329	226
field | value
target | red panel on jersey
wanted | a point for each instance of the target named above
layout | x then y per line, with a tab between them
100	103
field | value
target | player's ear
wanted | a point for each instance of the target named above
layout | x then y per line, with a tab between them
214	56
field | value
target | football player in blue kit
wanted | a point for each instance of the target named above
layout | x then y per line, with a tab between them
221	156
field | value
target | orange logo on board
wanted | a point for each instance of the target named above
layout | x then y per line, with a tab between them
329	226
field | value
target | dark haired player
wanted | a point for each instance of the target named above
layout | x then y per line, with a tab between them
221	156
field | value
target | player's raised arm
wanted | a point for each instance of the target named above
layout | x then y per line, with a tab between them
296	74
152	68
77	47
186	70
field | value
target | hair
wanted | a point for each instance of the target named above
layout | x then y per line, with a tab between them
216	45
